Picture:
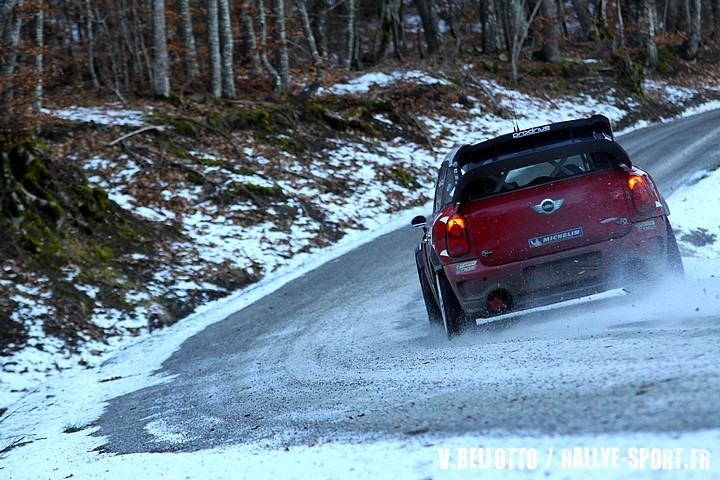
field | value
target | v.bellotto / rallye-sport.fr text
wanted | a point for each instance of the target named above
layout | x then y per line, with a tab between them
577	458
536	217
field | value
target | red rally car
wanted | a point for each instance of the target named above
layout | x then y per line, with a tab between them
536	217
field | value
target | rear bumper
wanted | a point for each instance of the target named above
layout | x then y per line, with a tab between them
564	275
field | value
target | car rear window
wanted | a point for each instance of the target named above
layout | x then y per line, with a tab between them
536	173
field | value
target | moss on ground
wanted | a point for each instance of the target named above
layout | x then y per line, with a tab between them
51	220
184	126
404	177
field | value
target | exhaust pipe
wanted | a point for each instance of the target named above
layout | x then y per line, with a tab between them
499	302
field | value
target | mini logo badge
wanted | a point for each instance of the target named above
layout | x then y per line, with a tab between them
555	237
548	206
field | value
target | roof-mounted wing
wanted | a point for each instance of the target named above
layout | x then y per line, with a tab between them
596	127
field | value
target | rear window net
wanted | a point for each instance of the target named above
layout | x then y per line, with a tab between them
534	174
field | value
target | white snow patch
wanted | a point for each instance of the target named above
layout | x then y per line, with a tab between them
364	83
695	213
89	290
162	433
673	93
112	114
530	111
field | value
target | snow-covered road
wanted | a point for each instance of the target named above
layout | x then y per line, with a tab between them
340	367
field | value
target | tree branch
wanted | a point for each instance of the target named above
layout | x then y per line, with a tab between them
159	128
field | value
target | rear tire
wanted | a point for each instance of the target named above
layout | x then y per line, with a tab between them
454	317
674	260
433	311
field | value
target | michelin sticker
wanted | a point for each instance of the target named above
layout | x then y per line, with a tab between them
555	237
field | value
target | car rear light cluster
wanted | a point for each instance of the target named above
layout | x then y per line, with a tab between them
642	194
457	241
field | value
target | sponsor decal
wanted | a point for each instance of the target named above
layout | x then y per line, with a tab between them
555	237
466	266
647	225
531	131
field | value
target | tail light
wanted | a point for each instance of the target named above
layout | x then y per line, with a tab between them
457	242
642	193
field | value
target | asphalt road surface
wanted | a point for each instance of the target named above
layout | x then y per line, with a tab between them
346	353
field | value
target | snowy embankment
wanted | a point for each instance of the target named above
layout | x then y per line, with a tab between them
238	237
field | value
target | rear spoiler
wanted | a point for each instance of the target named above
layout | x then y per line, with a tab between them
596	127
602	144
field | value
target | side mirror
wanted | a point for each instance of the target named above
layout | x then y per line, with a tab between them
419	221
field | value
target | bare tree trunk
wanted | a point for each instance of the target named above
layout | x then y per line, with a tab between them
248	37
281	51
397	28
562	19
586	21
505	22
144	56
609	25
692	45
489	26
620	24
520	29
551	46
646	17
6	7
603	6
39	44
11	39
89	32
188	39
226	40
715	4
301	6
320	27
385	29
132	63
633	11
666	20
350	35
390	21
214	49
430	28
676	15
277	81
114	56
161	62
